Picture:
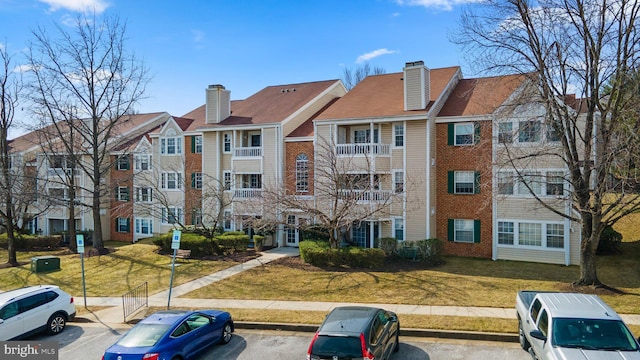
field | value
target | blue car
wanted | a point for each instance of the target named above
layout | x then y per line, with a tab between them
172	335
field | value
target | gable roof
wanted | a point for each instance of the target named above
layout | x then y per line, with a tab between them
272	104
480	96
383	95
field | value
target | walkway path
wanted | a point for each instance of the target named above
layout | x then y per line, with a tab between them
114	314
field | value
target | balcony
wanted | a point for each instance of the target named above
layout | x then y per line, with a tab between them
255	151
62	172
365	195
247	193
363	149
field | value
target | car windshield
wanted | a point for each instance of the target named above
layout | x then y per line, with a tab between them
593	334
337	346
144	335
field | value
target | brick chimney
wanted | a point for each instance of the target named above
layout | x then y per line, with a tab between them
218	104
416	86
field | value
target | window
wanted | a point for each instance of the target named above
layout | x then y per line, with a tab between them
534	180
170	146
463	134
530	234
398	134
543	323
196	180
123	193
227	180
172	215
122	163
58	194
555	236
144	226
227	143
227	223
196	217
505	183
505	133
171	181
142	162
398	181
552	134
464	182
144	194
463	230
252	181
122	225
555	183
529	131
255	140
302	173
398	227
505	233
363	136
196	144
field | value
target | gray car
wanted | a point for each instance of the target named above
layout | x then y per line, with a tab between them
356	333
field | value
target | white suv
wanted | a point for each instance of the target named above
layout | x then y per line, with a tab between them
34	309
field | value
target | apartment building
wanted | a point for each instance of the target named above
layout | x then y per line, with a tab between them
431	151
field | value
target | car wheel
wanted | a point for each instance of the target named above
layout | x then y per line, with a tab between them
226	333
524	343
56	323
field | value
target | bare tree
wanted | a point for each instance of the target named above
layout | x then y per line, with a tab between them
10	88
567	46
346	190
351	77
87	81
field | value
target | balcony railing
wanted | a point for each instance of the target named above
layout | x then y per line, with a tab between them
365	195
247	193
62	172
363	149
248	151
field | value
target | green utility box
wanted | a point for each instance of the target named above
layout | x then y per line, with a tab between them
41	264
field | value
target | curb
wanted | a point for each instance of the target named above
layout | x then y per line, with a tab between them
311	328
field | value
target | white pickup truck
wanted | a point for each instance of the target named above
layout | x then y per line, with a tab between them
555	325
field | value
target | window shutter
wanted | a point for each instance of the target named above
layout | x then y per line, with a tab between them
193	144
476	132
128	225
476	182
127	194
450	229
117	224
193	180
451	134
476	231
450	182
163	181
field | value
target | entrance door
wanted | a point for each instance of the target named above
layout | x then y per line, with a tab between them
294	223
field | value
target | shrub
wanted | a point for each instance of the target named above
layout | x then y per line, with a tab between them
258	242
430	250
315	232
319	253
610	241
389	245
32	242
235	241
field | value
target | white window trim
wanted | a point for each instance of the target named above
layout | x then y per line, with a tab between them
165	181
542	174
543	232
197	147
226	136
164	146
473	182
139	194
404	230
176	211
224	180
473	231
120	193
395	134
455	133
138	224
227	219
395	183
139	159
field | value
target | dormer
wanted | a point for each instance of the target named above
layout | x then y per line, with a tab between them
416	86
218	104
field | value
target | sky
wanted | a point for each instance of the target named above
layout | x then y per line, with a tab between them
248	45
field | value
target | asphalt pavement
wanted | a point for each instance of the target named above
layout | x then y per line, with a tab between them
113	314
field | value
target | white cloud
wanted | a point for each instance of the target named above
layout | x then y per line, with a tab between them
373	54
78	5
437	4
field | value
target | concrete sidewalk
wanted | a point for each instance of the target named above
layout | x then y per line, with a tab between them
114	314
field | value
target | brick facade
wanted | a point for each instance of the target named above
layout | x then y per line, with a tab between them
192	165
121	209
477	158
292	150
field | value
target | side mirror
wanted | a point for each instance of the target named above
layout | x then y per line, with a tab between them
537	334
